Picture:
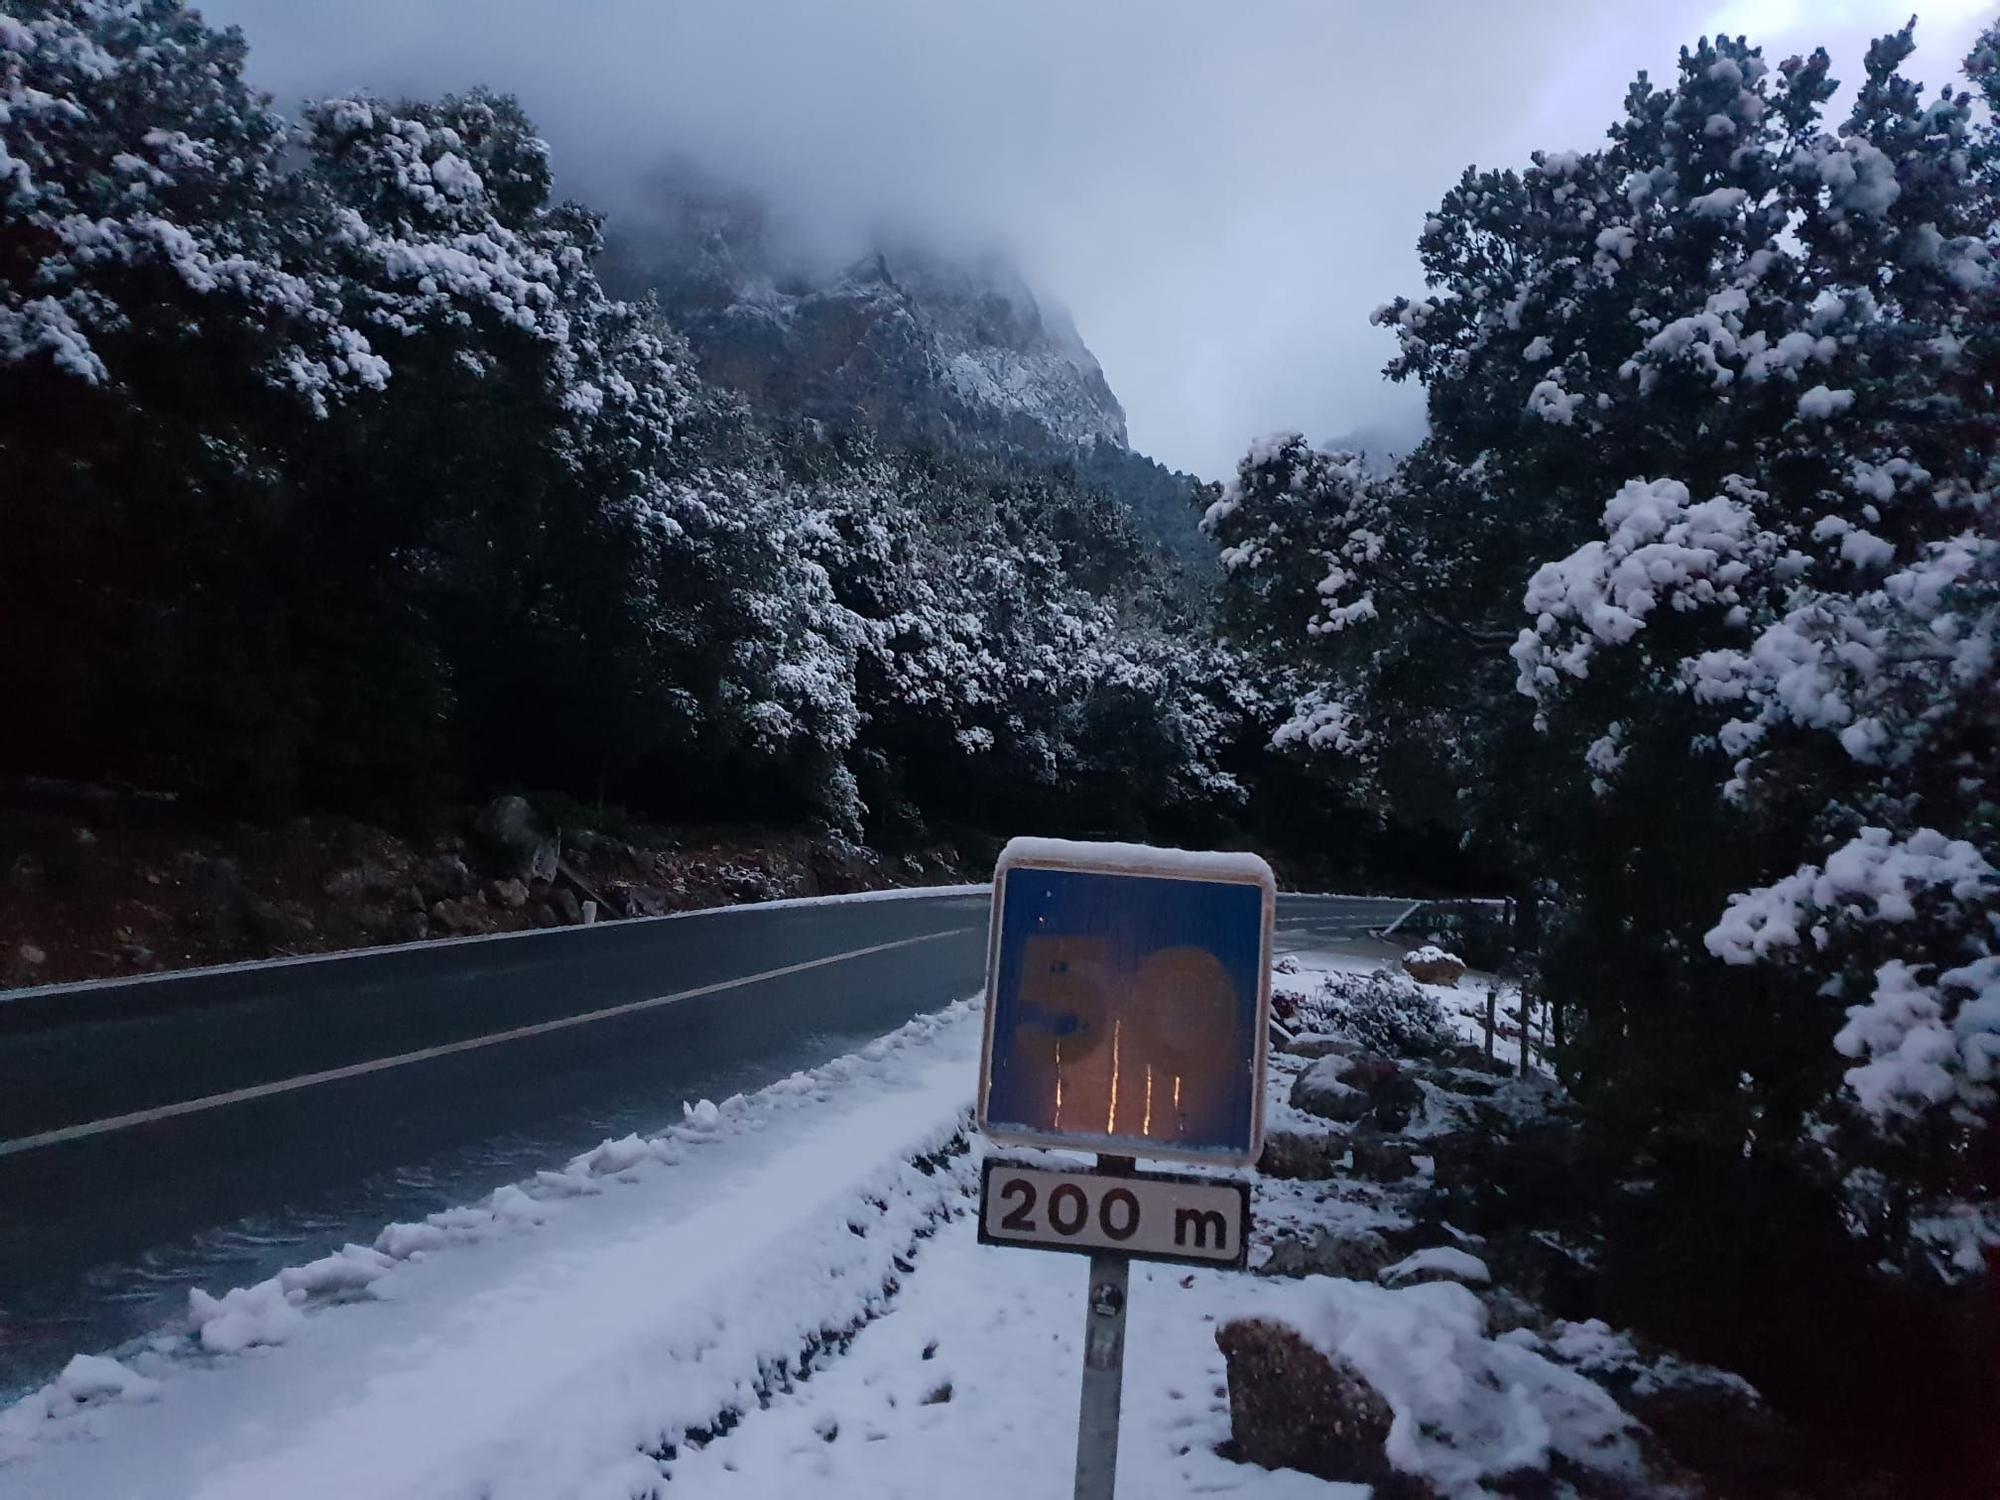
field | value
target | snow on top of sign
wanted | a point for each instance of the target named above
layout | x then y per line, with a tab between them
1182	864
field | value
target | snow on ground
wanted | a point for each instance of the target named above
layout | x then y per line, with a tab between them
970	1390
1300	970
784	1291
536	1346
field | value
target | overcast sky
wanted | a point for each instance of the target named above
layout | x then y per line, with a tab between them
1220	190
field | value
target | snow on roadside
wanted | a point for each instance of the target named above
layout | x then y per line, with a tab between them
730	1307
544	1342
969	1389
1464	1002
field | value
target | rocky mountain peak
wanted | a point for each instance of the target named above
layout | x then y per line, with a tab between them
921	345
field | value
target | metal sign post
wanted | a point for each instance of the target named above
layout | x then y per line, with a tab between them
1128	1003
1103	1364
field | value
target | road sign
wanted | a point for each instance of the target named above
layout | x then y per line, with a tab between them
1142	1215
1128	1000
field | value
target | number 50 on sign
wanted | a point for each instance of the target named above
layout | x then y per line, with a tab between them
1127	1001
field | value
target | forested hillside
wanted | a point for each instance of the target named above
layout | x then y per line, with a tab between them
348	485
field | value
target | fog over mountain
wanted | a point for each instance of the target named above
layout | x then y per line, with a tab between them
1218	194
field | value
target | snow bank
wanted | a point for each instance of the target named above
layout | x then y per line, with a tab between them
59	1409
1440	1262
559	1338
1467	1407
1431	953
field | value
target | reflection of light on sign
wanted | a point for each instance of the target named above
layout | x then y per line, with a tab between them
1186	996
1176	1013
1111	1114
1126	1006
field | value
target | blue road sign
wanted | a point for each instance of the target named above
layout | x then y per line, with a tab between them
1127	1001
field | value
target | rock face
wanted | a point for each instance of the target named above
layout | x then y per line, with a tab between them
1290	1407
922	346
944	350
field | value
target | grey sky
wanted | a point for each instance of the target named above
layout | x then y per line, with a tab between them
1220	190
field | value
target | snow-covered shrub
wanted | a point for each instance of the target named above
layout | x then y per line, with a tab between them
1384	1011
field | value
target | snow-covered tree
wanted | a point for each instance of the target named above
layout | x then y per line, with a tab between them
1807	596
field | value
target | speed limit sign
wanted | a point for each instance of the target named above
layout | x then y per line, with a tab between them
1128	1001
1128	997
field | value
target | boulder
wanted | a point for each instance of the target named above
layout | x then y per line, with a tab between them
1321	1091
1353	1255
458	916
1295	1154
1431	965
1291	1407
411	926
567	907
510	893
445	877
377	923
1381	1158
24	967
544	915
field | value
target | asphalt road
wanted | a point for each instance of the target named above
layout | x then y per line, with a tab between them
209	1127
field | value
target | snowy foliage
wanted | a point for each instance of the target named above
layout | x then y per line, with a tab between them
1824	631
1711	405
1386	1011
372	483
137	175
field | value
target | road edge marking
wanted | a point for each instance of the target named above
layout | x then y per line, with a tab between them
444	1049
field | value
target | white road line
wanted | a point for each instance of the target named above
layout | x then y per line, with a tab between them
425	1054
1413	908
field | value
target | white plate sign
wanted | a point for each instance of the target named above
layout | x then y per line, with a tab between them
1142	1215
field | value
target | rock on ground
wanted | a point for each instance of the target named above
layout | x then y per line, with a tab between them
1291	1407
